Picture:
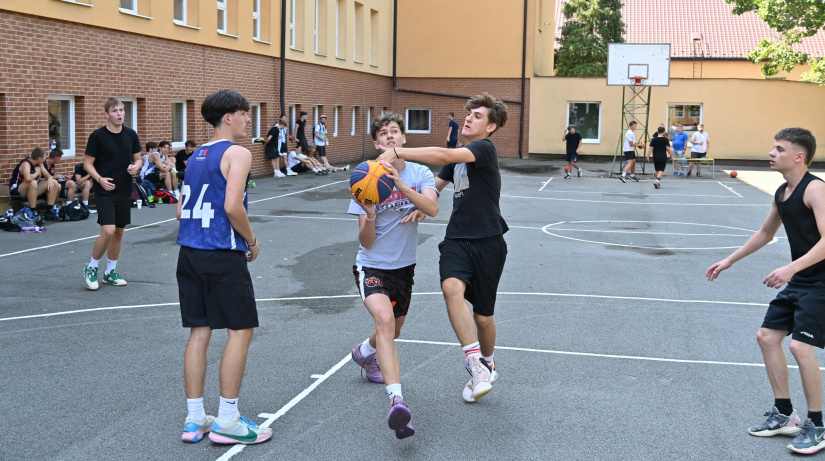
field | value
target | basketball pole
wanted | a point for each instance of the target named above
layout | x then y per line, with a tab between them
634	105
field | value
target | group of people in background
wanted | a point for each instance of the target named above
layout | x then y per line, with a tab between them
303	157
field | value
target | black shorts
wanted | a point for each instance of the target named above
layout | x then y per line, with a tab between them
303	143
698	154
395	283
272	154
452	144
63	191
284	149
800	310
659	165
215	290
299	168
574	157
321	150
114	209
478	263
629	155
153	177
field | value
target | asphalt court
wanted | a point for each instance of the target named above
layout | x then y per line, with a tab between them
611	344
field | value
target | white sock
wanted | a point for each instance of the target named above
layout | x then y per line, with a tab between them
110	265
366	349
195	407
489	359
624	175
580	170
228	409
93	263
471	350
86	202
394	390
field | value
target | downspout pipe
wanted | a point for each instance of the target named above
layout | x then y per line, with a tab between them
283	57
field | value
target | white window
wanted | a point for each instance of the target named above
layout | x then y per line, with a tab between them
180	11
129	112
587	118
418	120
222	16
178	123
369	119
352	132
256	19
335	120
130	6
255	115
314	118
292	119
61	123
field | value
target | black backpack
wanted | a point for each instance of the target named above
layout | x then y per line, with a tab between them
138	194
74	211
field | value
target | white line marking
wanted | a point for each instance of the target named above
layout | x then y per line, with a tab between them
434	293
545	184
299	191
649	232
271	418
578	192
728	188
314	377
638	202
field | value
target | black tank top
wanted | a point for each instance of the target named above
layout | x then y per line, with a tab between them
800	225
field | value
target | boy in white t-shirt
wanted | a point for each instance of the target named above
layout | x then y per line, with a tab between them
700	141
385	265
300	162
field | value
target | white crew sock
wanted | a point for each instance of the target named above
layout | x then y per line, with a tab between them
228	409
394	390
195	407
366	349
93	263
489	359
111	265
86	202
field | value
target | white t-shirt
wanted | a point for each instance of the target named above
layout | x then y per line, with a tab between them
629	137
700	138
294	158
395	243
322	130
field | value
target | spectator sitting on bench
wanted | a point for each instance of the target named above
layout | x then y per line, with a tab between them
26	183
298	162
156	167
66	185
183	156
83	182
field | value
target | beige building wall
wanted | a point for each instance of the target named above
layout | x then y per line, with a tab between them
545	41
728	69
740	115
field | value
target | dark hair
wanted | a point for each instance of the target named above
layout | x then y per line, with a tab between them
151	145
111	102
37	152
632	124
303	112
383	120
661	129
801	139
571	126
164	143
56	153
452	114
496	109
280	123
190	143
220	103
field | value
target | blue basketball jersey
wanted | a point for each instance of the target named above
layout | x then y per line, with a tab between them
203	221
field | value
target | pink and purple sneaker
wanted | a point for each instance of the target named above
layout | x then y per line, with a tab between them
368	364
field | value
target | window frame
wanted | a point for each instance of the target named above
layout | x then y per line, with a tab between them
598	139
256	119
182	142
67	151
354	114
335	121
184	9
222	6
685	114
132	10
429	120
134	115
256	19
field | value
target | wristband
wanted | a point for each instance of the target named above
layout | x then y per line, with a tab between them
396	153
250	245
373	219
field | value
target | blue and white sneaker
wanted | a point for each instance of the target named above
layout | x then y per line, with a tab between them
810	440
239	430
194	430
777	424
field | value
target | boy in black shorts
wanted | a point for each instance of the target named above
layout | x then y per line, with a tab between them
214	284
112	158
473	251
660	149
799	205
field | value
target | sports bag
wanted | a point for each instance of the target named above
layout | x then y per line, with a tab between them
26	217
165	196
138	194
73	211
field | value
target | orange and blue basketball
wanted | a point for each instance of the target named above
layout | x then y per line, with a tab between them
370	183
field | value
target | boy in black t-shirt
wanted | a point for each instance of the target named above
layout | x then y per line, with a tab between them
574	145
660	149
473	251
83	182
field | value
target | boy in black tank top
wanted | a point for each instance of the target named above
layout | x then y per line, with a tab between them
799	309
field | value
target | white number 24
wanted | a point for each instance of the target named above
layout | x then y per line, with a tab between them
201	210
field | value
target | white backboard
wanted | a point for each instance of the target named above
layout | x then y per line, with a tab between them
650	61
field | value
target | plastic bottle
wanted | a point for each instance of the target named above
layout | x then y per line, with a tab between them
31	229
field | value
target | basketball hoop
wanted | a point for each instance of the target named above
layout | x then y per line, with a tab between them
636	81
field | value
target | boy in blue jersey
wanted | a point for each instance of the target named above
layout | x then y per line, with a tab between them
214	285
799	206
385	265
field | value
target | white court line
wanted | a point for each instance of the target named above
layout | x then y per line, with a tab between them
638	202
295	400
545	184
647	232
625	193
151	224
434	293
728	188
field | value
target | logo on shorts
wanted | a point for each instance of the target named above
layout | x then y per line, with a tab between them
806	334
372	282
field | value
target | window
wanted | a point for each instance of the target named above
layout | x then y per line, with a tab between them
256	19
315	115
222	16
178	123
354	113
142	8
340	28
358	34
296	25
587	117
418	120
369	119
129	112
292	118
61	123
688	115
335	120
374	34
129	5
321	27
255	115
180	11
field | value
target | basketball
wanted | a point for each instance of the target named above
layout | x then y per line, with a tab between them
642	146
566	170
369	182
733	174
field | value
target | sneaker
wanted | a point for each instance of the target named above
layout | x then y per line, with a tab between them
681	173
810	439
399	418
567	176
580	172
689	172
194	429
52	215
481	377
345	168
113	278
151	199
777	423
90	274
251	184
91	210
290	172
369	364
657	185
239	430
467	394
634	178
622	179
675	173
698	173
278	174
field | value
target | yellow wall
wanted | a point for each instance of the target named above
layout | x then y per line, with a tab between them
464	39
545	41
741	115
729	69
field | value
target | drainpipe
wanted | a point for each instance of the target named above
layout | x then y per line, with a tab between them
283	57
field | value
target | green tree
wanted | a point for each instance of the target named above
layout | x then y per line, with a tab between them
793	20
589	26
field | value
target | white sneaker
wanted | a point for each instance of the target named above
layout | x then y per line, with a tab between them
239	430
467	393
345	168
481	381
290	172
278	174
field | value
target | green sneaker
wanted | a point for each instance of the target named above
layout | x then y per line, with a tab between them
151	199
113	278
90	274
160	200
251	184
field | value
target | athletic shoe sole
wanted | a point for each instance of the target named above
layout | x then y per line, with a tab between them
467	393
399	417
781	431
194	432
217	438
